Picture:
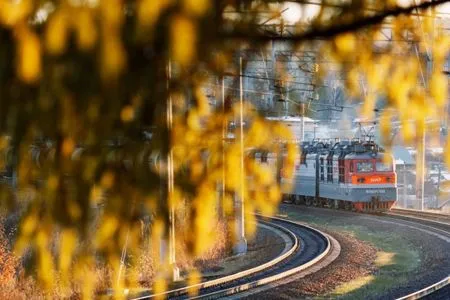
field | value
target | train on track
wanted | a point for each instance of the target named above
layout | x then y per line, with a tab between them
353	175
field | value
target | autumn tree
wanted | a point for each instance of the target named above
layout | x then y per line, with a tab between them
89	85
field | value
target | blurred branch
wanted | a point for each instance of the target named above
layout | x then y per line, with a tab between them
336	29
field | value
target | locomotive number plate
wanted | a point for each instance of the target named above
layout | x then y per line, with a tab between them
375	191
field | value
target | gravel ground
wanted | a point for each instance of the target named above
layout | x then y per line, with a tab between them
413	259
264	247
361	255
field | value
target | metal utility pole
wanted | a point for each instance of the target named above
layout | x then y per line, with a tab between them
224	136
241	246
438	186
302	128
170	181
421	130
273	74
420	164
404	186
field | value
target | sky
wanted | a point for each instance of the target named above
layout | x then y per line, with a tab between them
296	12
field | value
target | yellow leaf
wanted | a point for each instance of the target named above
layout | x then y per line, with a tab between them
29	56
113	57
57	32
52	182
67	147
149	11
439	88
13	12
159	286
86	30
68	241
183	40
107	228
194	278
345	43
112	13
127	114
107	180
196	7
29	224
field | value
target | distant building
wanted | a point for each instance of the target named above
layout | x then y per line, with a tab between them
295	124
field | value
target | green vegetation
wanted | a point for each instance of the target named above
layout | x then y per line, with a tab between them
396	259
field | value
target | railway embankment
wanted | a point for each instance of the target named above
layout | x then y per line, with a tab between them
381	257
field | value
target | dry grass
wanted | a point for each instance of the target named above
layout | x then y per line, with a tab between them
16	285
146	260
353	285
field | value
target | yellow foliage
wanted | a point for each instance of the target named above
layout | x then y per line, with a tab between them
29	56
127	114
67	147
159	286
345	43
86	30
149	10
52	182
46	268
194	278
112	14
107	229
74	210
29	225
13	12
113	57
204	159
183	40
107	180
196	7
439	88
57	32
68	242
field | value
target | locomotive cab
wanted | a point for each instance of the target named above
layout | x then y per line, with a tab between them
372	180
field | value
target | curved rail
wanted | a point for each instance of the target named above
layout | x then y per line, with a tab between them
300	257
236	276
428	290
430	220
443	219
281	275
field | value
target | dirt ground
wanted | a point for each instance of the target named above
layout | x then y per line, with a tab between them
357	260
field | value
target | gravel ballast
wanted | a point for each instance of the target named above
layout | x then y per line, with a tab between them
390	256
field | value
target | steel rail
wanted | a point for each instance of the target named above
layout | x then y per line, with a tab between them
266	280
426	220
427	290
232	277
438	218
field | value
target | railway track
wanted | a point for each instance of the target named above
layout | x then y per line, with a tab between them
309	248
433	225
420	215
438	225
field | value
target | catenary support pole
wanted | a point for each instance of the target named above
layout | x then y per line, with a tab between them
405	186
241	246
170	182
420	163
302	129
224	136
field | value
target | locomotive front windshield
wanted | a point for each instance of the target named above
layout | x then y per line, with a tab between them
383	167
364	167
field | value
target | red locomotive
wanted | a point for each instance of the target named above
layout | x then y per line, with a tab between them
353	175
